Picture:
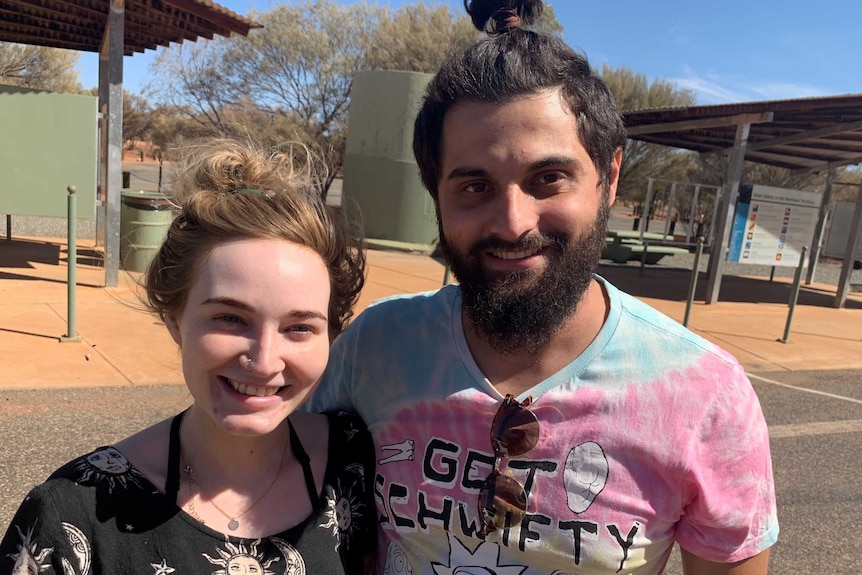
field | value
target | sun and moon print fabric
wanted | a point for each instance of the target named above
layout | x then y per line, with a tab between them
99	515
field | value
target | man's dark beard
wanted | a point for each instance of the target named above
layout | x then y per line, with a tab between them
518	315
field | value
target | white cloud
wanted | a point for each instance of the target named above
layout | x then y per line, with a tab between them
786	90
708	90
712	88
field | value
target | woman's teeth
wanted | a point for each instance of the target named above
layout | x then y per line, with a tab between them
253	389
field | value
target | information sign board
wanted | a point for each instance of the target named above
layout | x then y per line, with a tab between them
771	225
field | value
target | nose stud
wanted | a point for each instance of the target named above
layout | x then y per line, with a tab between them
248	364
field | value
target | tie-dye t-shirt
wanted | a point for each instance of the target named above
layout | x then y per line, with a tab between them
652	435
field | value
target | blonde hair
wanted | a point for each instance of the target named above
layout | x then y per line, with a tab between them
230	190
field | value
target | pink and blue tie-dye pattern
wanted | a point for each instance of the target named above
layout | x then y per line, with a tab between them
650	436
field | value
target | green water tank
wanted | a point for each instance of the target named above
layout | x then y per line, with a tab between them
144	221
382	188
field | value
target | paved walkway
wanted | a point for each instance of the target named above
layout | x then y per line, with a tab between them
812	406
122	345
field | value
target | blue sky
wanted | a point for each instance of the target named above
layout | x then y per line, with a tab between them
730	51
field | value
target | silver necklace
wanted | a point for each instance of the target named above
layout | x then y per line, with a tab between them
233	519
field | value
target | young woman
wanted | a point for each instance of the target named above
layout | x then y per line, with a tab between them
254	280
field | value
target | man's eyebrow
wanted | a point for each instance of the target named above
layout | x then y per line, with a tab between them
554	161
551	161
230	302
466	172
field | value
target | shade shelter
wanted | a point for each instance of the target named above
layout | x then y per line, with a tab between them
114	28
809	134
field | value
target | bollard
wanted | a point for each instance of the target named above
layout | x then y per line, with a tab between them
71	279
692	285
644	256
794	294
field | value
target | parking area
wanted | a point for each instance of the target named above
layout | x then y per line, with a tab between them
815	420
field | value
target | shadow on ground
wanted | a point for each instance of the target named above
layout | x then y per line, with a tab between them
657	282
18	253
672	284
26	259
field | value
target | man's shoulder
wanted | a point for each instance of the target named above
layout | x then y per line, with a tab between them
433	302
641	322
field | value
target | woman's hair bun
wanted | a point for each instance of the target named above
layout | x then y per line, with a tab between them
498	16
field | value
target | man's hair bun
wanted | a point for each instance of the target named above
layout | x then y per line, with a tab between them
498	16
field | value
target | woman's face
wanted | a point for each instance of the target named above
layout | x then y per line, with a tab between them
261	299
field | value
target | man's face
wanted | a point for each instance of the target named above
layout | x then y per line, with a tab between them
522	216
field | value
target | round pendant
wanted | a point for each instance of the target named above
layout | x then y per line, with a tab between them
233	525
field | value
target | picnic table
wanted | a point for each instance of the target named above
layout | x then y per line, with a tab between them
627	245
620	235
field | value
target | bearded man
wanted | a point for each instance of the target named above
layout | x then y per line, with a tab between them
614	431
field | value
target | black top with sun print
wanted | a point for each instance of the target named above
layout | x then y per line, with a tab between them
99	515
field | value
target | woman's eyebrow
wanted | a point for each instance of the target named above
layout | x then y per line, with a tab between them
230	302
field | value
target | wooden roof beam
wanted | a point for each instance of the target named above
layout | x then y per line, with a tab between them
829	165
782	160
214	16
700	123
75	10
833	130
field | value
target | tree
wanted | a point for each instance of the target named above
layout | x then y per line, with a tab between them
293	77
188	80
712	168
297	69
847	182
642	160
137	118
39	67
417	38
170	128
548	23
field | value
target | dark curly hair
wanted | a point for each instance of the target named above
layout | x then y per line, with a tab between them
229	190
513	62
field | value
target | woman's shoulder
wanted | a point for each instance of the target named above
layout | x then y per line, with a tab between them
105	468
147	451
339	419
102	478
349	439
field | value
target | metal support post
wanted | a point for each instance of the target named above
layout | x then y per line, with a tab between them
729	192
822	218
647	211
644	257
794	294
71	280
669	216
692	285
849	253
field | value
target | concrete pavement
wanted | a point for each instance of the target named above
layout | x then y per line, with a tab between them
123	345
58	400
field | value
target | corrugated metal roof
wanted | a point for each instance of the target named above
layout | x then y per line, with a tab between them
803	133
80	24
